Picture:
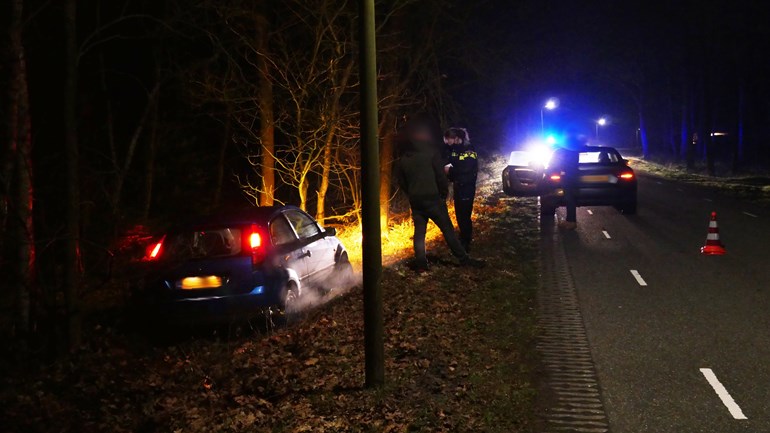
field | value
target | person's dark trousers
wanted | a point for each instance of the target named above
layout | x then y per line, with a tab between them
435	211
570	198
463	212
464	195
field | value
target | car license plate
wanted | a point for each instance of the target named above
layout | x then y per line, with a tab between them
206	282
595	179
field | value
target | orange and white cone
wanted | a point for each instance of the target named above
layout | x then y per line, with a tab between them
713	245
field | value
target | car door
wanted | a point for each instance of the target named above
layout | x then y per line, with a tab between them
289	250
523	177
319	251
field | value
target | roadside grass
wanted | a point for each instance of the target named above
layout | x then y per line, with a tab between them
750	186
459	356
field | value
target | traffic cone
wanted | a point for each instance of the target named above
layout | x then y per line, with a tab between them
713	245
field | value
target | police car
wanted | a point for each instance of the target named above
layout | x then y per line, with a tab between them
605	179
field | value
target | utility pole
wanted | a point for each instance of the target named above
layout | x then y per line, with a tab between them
370	206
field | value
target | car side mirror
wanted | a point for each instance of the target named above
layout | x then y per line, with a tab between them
330	231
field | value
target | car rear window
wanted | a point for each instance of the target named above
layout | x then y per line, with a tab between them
218	242
600	157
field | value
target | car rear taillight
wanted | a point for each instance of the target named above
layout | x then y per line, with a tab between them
255	246
154	250
555	177
255	240
627	175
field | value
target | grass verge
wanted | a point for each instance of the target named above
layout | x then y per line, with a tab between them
750	187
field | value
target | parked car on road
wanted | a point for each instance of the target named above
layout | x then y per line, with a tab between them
237	265
605	179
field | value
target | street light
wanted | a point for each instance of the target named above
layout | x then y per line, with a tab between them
550	104
601	122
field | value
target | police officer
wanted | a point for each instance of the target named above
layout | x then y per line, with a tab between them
462	169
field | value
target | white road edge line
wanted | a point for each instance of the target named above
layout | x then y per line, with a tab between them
606	235
590	212
638	277
751	214
728	401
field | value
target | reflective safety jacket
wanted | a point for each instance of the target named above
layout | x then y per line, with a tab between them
465	168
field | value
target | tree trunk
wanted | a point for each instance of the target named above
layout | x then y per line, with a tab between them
692	145
228	136
129	158
643	134
71	156
329	143
21	142
708	120
386	168
738	149
266	118
149	168
684	125
326	166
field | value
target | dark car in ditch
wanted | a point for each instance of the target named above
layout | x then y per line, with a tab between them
236	265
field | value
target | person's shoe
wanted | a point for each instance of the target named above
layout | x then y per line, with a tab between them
467	247
567	225
473	263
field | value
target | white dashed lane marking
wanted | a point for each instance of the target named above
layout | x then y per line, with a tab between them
728	401
606	235
590	212
708	200
638	277
751	214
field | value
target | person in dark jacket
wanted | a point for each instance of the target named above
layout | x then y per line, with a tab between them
567	159
462	170
420	175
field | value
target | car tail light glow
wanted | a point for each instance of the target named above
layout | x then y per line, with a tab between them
255	240
255	246
154	252
627	175
556	177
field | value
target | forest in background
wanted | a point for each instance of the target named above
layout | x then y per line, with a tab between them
118	114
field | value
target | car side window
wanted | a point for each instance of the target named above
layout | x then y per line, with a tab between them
281	232
303	224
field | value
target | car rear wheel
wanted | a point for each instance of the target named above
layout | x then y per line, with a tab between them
289	298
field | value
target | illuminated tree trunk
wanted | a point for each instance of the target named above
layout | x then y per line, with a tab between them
326	163
266	118
387	139
71	157
21	147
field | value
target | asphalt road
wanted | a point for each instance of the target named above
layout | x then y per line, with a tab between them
690	350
